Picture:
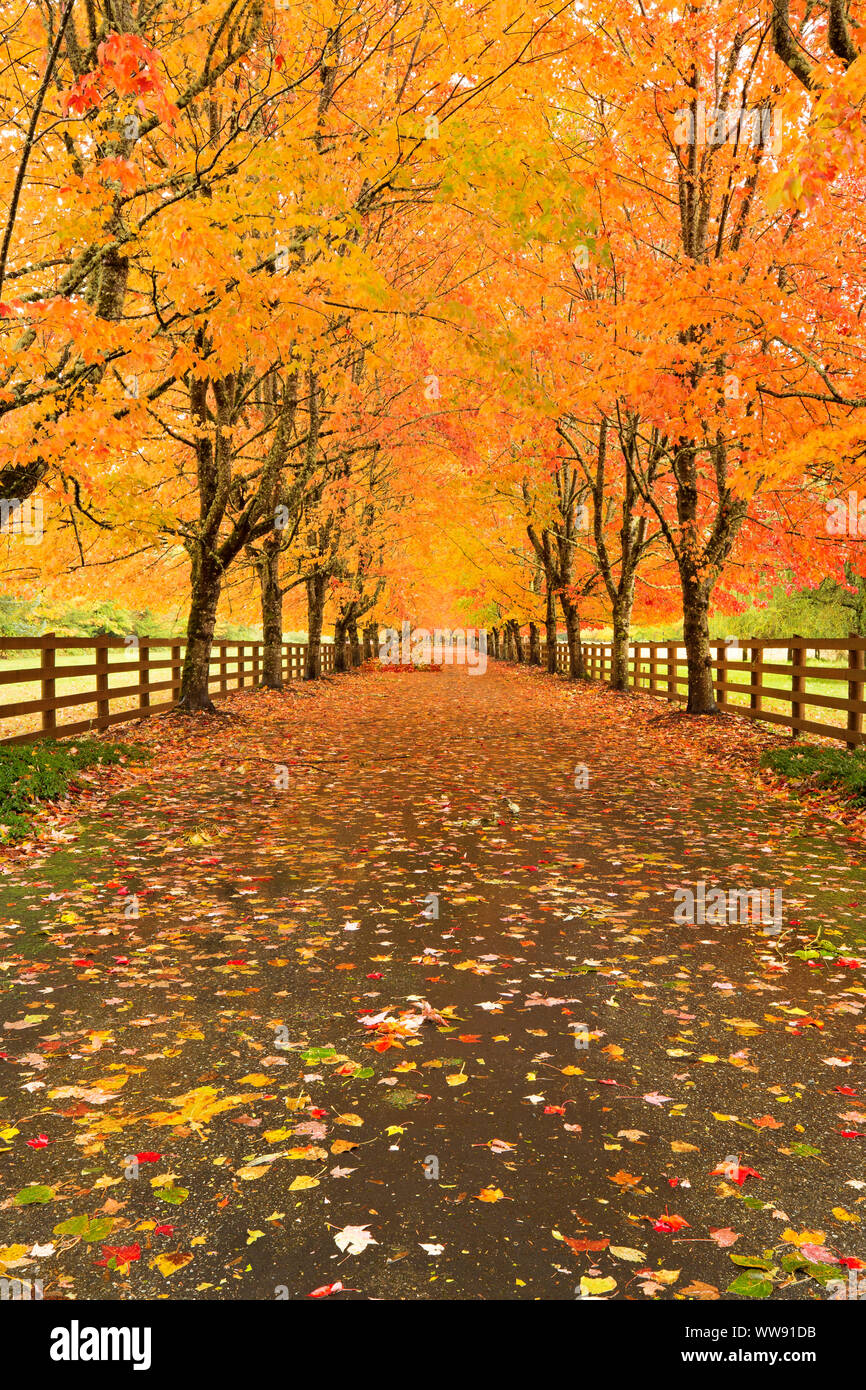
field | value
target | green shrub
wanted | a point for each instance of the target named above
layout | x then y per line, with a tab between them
35	772
822	767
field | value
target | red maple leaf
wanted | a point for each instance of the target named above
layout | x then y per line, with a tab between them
667	1224
739	1177
121	1254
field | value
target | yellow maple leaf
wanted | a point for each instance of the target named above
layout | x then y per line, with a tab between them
842	1215
170	1264
197	1107
592	1287
804	1238
11	1255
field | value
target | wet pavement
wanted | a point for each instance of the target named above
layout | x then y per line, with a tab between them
397	959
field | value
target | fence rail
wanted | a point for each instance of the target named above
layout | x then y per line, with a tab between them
802	673
136	676
777	680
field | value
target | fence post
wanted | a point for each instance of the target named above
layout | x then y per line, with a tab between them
49	716
256	663
102	703
654	667
144	672
754	679
798	658
855	692
175	671
722	672
224	668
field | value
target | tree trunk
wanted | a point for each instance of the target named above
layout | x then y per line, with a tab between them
371	634
534	645
205	585
494	643
572	629
550	629
619	648
518	645
696	639
316	585
272	617
340	644
354	643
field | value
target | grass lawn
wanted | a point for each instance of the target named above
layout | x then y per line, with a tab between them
38	772
822	767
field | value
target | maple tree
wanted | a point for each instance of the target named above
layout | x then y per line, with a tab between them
296	287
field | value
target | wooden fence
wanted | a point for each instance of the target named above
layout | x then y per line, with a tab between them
803	677
117	680
139	678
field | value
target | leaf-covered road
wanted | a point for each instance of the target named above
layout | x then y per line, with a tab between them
281	1075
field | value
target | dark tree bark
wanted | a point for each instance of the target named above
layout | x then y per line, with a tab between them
514	627
572	630
550	627
206	584
316	586
534	645
556	553
340	644
272	615
619	647
696	639
354	643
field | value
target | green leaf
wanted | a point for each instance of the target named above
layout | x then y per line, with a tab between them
400	1096
319	1054
175	1195
752	1262
75	1226
28	1195
791	1263
750	1285
823	1273
97	1229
